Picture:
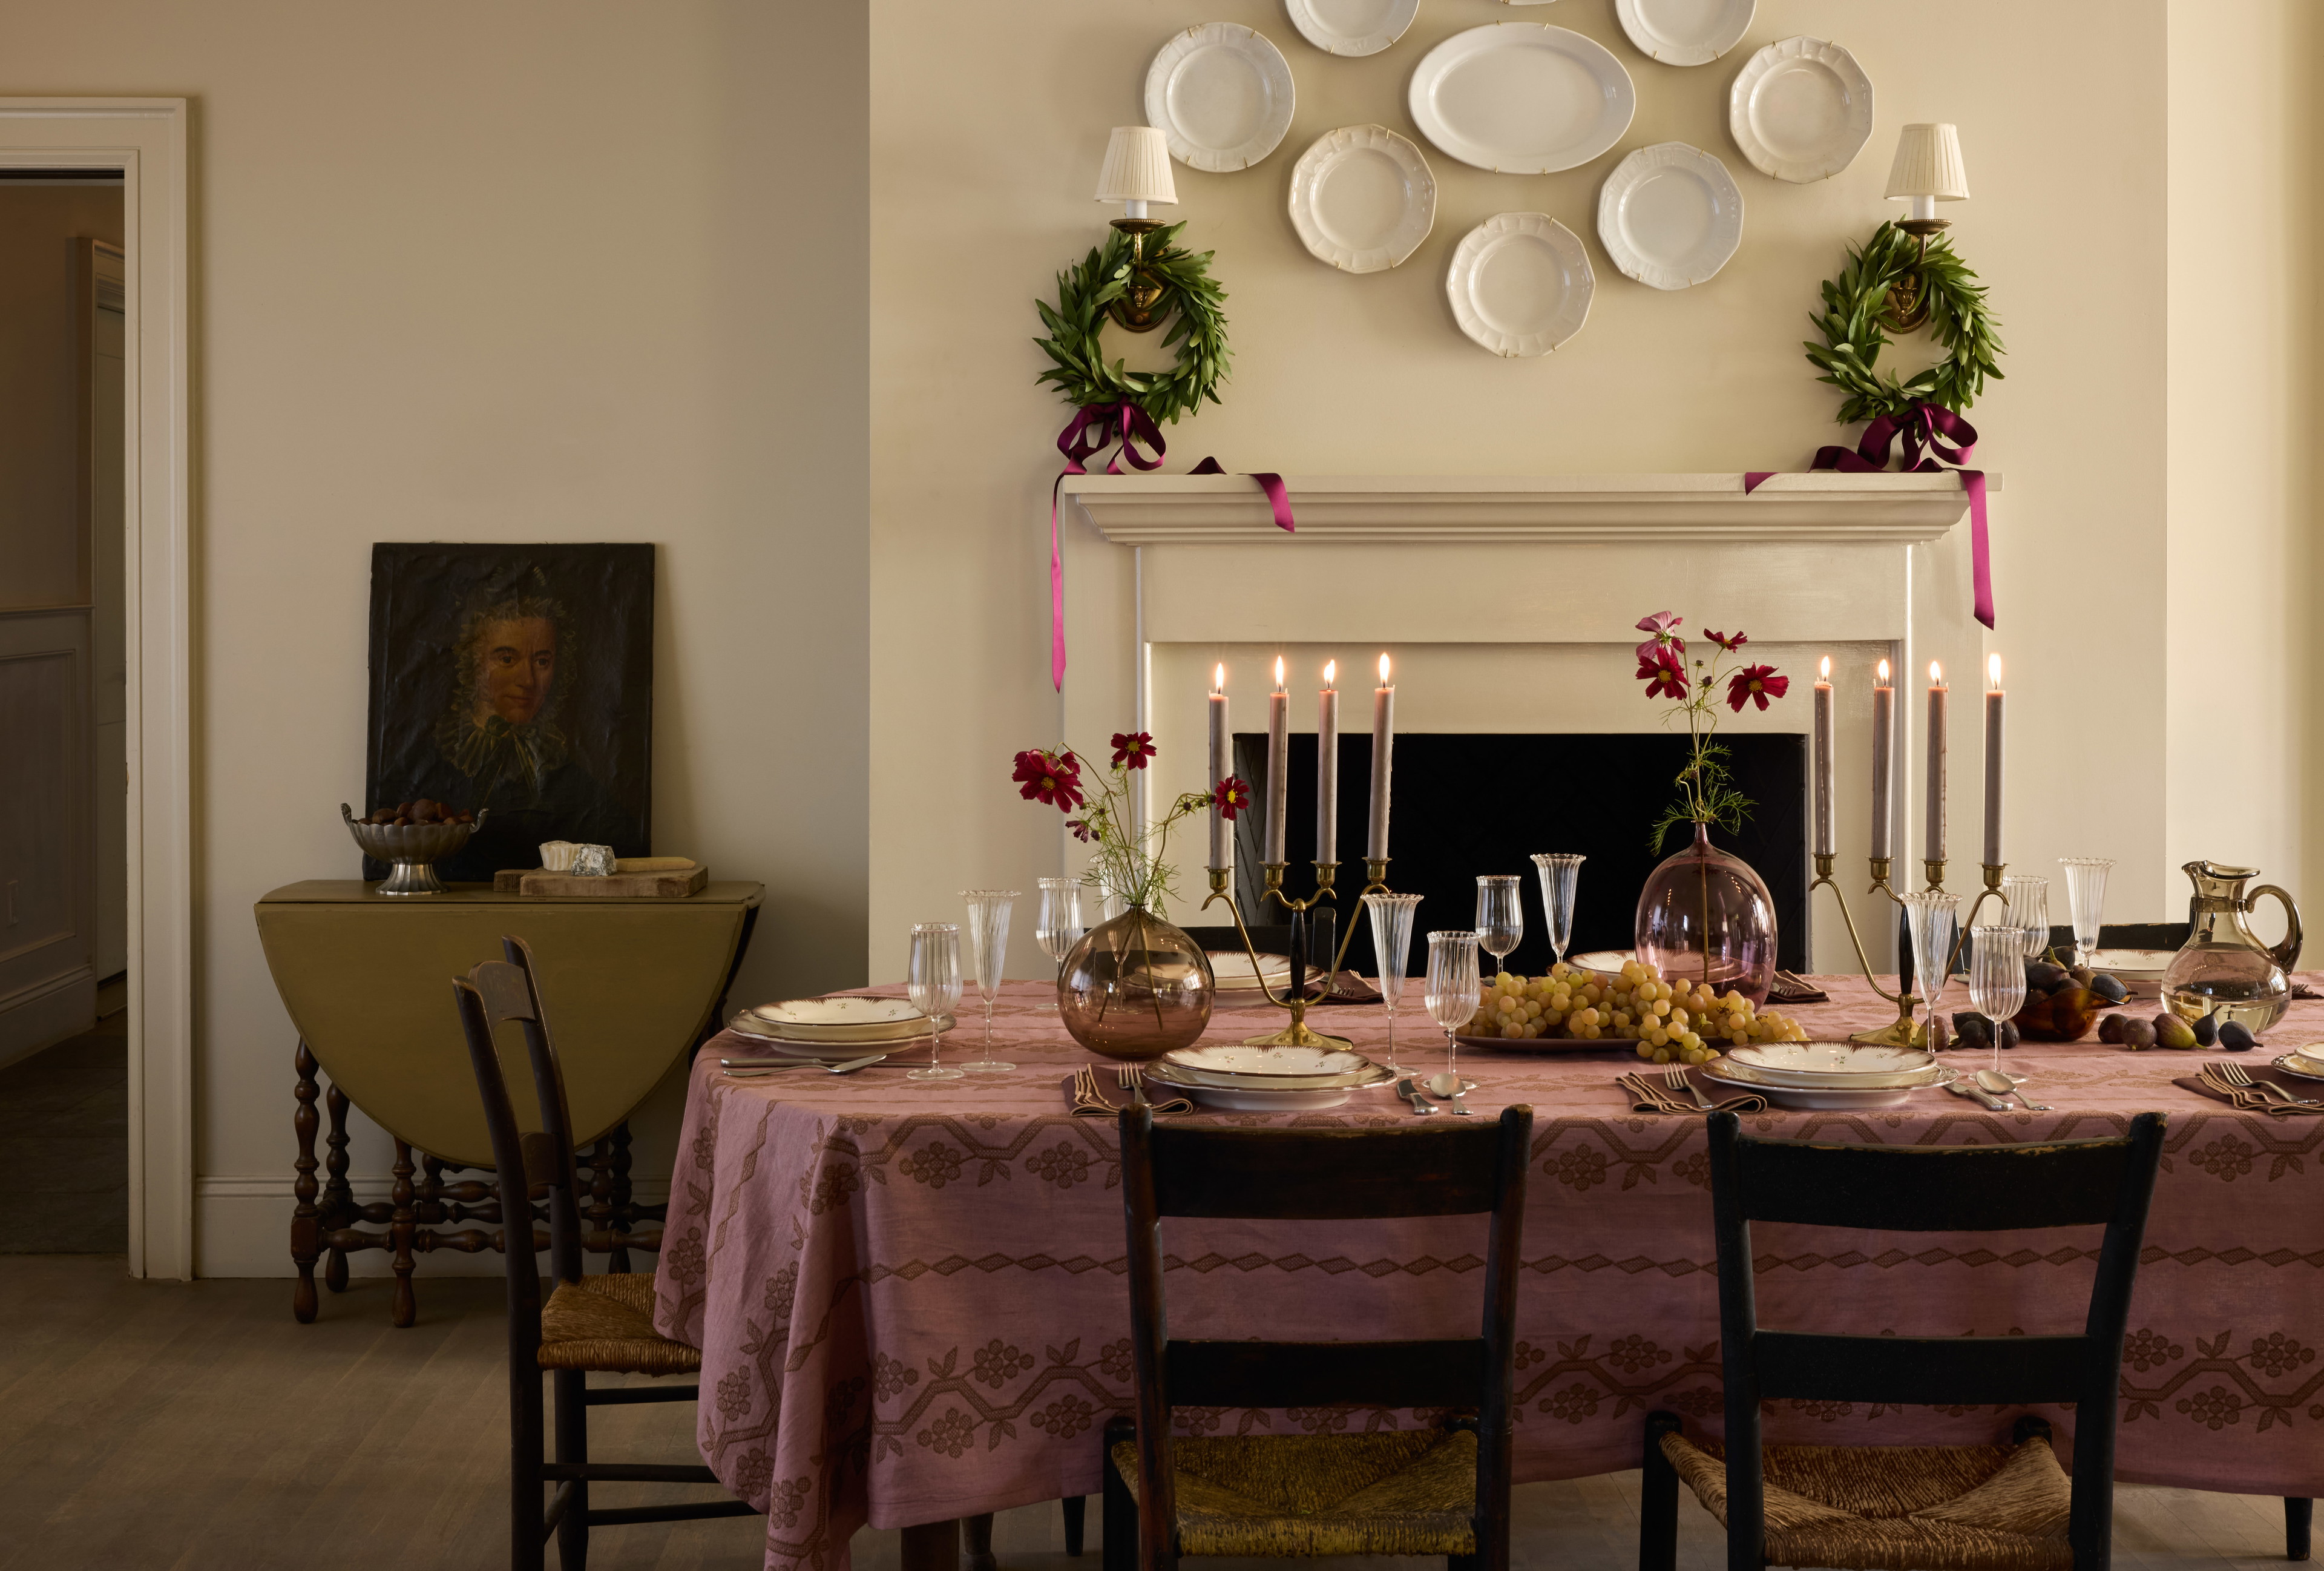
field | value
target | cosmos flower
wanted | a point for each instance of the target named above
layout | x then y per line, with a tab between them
1081	831
1755	684
1725	641
1233	795
1051	778
1660	625
1660	668
1132	748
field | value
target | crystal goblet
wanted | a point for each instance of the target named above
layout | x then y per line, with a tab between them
1392	947
933	982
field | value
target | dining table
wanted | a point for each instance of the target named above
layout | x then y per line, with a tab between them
911	1302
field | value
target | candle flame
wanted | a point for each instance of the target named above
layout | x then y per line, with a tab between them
1936	675
1823	669
1383	668
1331	670
1993	671
1278	671
1219	677
1884	673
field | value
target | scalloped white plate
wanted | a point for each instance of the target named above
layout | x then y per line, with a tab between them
1685	33
1522	98
1362	199
1801	110
1521	284
1670	215
1221	96
1351	27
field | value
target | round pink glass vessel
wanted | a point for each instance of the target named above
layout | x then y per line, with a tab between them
1705	916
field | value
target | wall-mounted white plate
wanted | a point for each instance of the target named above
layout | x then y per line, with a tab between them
1351	27
1362	199
1670	215
1520	98
1521	284
1685	33
1801	110
1221	96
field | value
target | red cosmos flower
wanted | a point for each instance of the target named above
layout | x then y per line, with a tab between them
1132	748
1233	795
1661	671
1660	625
1755	684
1081	831
1724	641
1052	778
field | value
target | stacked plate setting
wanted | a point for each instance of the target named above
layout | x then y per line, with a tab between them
1237	1077
2306	1063
831	1031
1827	1077
1231	971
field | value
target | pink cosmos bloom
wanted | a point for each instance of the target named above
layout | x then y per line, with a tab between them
1755	685
1661	671
1724	641
1132	748
1050	778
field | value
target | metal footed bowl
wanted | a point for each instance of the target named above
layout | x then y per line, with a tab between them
413	850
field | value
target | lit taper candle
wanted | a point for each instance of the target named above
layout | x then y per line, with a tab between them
1327	767
1221	766
1883	754
1279	762
1935	847
1823	758
1993	762
1383	761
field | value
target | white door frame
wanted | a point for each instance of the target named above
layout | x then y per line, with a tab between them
145	139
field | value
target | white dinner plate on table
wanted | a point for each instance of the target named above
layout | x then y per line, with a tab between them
1262	1098
1824	1099
850	1041
1231	971
1801	110
1521	284
1670	215
1830	1066
1221	96
1362	199
1608	961
1685	33
1520	98
837	1020
1351	27
1240	1066
2307	1062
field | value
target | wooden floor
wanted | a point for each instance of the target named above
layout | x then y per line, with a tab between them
196	1425
64	1142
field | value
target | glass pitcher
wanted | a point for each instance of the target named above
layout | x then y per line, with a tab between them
2224	967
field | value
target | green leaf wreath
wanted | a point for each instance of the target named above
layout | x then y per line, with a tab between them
1085	291
1854	303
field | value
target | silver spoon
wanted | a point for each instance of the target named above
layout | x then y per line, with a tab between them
1970	1089
2000	1085
1421	1107
739	1068
1449	1086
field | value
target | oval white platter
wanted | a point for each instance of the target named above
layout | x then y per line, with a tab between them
1670	215
1221	96
1685	33
1522	98
1362	199
1351	27
1521	284
1256	1099
1829	1066
1824	1099
1801	110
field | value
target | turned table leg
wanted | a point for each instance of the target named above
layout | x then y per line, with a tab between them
338	1196
401	1225
305	1220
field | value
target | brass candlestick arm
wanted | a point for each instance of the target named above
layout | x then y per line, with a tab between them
1901	1033
1994	872
1295	1034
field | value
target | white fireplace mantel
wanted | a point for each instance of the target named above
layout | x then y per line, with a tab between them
1820	507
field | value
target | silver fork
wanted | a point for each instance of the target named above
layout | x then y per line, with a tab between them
1127	1074
1677	1080
2234	1074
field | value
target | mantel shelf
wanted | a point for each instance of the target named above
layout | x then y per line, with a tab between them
1820	507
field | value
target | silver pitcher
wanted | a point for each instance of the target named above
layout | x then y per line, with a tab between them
2224	969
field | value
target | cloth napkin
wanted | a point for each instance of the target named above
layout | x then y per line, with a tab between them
1347	987
2302	990
2205	1082
1086	1097
1649	1094
1790	988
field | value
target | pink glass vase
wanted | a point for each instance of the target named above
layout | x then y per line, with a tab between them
1705	916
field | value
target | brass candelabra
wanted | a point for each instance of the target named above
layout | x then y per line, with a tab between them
1295	996
1902	1031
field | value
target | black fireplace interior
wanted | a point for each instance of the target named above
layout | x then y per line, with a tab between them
1466	805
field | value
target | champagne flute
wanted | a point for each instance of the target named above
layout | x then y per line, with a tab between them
987	952
1058	926
1452	1001
1996	978
1560	872
2027	900
935	987
1392	946
1500	915
1932	914
2086	882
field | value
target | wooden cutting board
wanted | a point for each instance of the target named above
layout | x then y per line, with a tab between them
674	885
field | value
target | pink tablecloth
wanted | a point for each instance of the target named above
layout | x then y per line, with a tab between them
911	1306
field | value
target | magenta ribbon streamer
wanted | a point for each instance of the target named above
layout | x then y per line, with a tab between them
1950	441
1125	427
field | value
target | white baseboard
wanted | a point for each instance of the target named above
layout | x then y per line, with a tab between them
241	1228
46	1013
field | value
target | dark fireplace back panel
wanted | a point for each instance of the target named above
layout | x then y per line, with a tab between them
1465	805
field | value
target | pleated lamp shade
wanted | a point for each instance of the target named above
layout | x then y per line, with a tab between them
1137	167
1928	164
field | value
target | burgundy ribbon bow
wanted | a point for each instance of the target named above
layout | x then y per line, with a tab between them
1949	439
1125	427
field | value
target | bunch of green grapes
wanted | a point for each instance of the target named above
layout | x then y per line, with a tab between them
1673	1022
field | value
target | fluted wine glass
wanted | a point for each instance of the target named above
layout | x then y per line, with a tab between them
1500	915
1392	946
2026	898
1996	978
1561	872
1058	926
2086	882
988	953
1452	985
933	982
1932	914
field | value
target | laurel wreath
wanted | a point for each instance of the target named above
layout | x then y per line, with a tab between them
1084	292
1853	336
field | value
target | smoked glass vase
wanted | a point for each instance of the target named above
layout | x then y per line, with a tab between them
1704	916
1135	987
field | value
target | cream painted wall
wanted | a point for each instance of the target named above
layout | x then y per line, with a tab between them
2242	207
529	272
985	144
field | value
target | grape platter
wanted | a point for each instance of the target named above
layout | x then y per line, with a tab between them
1672	1021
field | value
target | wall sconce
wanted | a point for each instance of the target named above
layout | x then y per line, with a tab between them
1928	170
1137	172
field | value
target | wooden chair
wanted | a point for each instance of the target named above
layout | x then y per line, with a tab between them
2007	1507
602	1323
1431	1491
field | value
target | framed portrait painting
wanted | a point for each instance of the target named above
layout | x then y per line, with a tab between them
517	678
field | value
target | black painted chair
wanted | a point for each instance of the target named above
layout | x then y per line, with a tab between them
602	1323
2008	1507
1443	1491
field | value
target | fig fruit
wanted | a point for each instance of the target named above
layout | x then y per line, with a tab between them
2206	1031
2171	1032
2004	1035
2110	1028
2041	975
2236	1037
2137	1034
2110	988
